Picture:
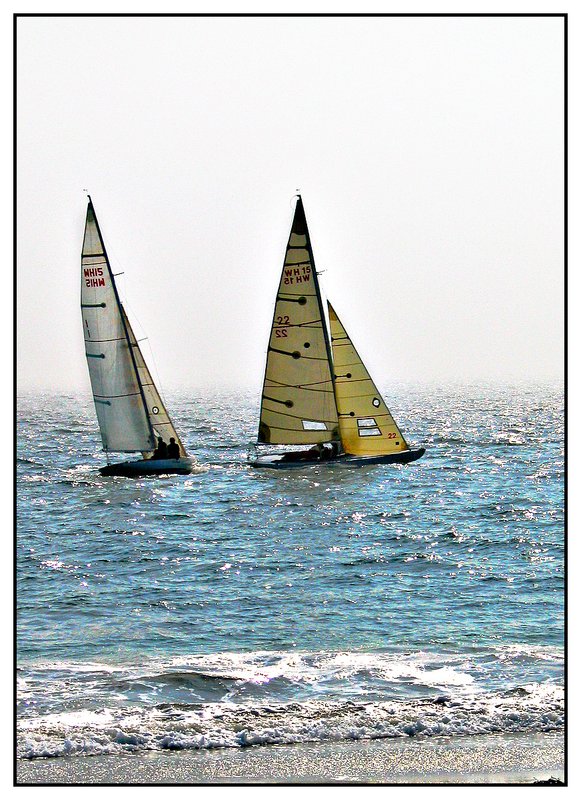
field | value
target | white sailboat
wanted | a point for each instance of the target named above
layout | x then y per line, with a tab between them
317	390
131	414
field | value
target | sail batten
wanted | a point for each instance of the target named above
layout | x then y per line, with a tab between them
365	422
298	355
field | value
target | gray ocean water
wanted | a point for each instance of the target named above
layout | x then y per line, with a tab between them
237	606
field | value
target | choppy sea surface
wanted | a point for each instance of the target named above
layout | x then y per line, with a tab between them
237	606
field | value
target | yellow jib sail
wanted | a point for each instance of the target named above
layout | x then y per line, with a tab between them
298	401
365	423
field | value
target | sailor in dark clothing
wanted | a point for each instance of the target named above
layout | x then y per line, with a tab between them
161	450
173	448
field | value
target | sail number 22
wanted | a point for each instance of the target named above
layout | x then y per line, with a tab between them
280	332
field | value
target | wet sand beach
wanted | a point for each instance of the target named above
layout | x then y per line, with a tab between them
502	758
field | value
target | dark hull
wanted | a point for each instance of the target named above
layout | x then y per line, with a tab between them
282	460
395	458
150	466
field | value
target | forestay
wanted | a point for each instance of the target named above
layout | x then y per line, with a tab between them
298	401
366	425
119	401
156	410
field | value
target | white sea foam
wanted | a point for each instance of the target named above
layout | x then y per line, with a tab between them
117	706
535	708
244	677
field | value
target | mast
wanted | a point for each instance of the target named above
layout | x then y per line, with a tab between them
122	314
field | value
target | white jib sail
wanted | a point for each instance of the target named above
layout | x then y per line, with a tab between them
156	410
366	425
298	401
119	401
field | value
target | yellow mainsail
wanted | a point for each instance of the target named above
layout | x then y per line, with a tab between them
298	401
365	423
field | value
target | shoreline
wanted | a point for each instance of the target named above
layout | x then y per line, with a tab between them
480	759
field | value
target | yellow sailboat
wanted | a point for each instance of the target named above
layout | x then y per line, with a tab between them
317	391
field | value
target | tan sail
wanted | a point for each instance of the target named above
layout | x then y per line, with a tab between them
156	410
298	401
123	421
366	425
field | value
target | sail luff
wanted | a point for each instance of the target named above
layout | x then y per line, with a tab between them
298	402
365	422
117	393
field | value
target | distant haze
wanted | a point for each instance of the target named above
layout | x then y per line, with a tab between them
428	151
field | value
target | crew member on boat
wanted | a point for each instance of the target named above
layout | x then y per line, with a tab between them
161	450
173	448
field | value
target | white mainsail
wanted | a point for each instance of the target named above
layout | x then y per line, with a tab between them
298	401
116	366
365	422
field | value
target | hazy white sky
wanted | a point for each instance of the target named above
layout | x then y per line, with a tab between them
429	153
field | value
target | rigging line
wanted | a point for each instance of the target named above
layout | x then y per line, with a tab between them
365	416
359	396
297	386
113	396
298	430
296	416
302	388
116	339
154	418
311	322
157	384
